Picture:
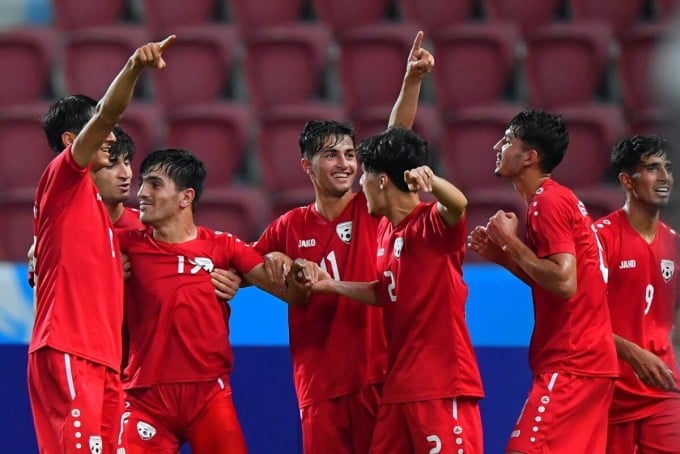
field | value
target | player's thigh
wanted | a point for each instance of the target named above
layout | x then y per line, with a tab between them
327	426
563	414
67	399
445	426
391	434
621	438
142	432
660	433
217	430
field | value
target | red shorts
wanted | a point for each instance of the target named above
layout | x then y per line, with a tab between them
162	417
654	434
564	414
342	424
76	404
429	426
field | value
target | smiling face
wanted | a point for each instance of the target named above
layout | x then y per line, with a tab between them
652	181
159	199
510	155
113	180
333	169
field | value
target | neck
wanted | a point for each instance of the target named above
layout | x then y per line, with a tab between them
527	184
175	231
643	218
400	205
330	206
115	210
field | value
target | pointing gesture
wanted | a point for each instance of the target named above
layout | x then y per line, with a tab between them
151	54
420	60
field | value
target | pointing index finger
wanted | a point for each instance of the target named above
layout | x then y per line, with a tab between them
417	42
166	42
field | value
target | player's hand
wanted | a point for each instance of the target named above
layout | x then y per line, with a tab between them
305	272
151	54
420	60
419	179
277	265
650	369
478	240
501	227
226	283
127	266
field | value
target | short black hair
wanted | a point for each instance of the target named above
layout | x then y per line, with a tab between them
183	168
393	152
67	114
630	152
314	134
544	132
123	146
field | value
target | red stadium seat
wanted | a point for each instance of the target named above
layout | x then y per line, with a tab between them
666	9
16	229
602	200
26	54
482	204
164	18
282	202
344	15
143	123
93	57
619	14
635	65
593	132
467	141
566	63
200	69
650	121
372	64
527	15
487	52
217	134
277	144
285	65
251	16
70	15
24	152
237	210
434	15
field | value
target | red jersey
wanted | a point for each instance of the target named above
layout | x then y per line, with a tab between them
337	344
430	355
129	219
642	301
573	335
80	289
178	328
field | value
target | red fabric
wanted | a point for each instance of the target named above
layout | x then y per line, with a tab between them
80	289
430	355
658	433
129	219
337	345
573	335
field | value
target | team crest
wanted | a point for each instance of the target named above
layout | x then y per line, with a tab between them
96	444
667	269
146	431
398	246
344	231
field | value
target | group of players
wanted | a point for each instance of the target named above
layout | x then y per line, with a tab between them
131	305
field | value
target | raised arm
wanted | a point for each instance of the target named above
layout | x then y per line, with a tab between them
116	100
451	201
419	63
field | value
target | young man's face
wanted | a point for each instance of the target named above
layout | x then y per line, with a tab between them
652	181
113	181
159	199
510	155
334	168
370	185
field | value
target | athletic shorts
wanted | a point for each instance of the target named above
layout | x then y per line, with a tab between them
159	419
430	426
564	414
654	434
76	404
341	425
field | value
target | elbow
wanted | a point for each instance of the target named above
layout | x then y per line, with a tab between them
565	289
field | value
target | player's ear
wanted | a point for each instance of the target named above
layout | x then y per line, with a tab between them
306	165
187	198
625	181
67	138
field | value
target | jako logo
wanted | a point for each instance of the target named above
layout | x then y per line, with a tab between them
626	264
307	243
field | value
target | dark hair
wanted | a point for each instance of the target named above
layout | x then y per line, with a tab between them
183	168
123	146
630	152
543	132
393	152
67	114
314	134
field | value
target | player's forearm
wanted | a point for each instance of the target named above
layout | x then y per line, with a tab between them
363	292
119	94
543	272
452	202
405	107
624	348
